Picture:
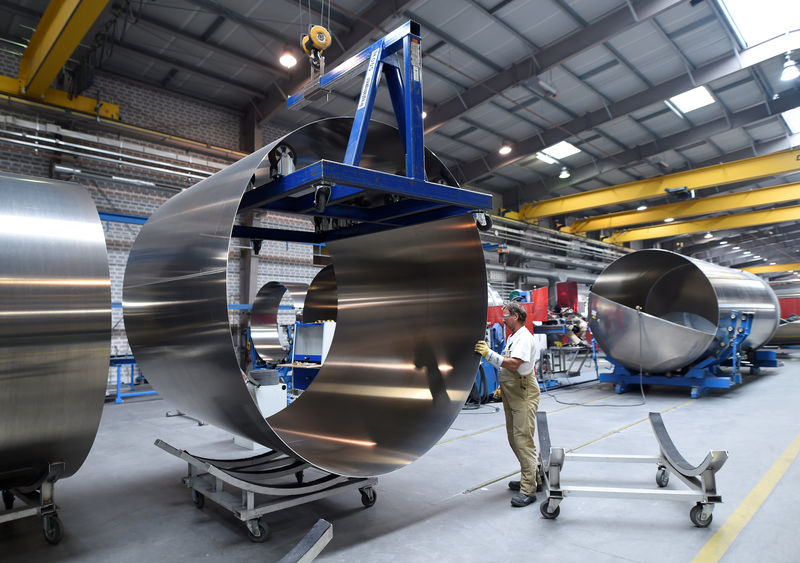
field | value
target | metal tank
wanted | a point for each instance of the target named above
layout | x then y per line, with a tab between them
410	304
55	327
661	311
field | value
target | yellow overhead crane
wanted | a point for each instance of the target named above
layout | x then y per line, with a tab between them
62	27
693	207
737	221
719	174
775	268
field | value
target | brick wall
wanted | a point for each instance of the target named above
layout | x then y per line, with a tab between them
156	110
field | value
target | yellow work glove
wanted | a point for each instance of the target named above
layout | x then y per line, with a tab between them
482	348
491	356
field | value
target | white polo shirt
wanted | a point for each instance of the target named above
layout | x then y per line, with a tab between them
522	345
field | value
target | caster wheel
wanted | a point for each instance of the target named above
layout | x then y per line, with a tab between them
546	513
8	500
696	516
299	477
368	496
256	531
199	499
662	477
51	527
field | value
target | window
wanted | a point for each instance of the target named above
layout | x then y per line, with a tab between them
693	99
757	21
557	152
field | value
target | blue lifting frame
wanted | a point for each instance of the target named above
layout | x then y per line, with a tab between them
702	376
421	201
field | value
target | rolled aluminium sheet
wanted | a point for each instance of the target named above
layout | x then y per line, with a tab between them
55	327
322	300
264	328
684	309
411	303
788	334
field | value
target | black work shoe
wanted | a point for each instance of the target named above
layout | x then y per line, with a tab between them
520	499
513	485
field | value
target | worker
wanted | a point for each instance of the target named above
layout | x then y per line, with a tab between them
520	392
576	330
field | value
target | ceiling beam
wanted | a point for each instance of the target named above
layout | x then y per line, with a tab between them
696	179
605	28
206	44
720	68
691	135
737	221
373	18
694	207
163	59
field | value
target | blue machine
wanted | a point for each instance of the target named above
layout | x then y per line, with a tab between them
706	374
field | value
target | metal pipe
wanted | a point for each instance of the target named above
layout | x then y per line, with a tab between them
555	259
555	275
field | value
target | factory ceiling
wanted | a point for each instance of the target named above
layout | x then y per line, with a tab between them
580	87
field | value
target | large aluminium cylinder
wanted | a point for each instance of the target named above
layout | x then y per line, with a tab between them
409	304
55	327
661	311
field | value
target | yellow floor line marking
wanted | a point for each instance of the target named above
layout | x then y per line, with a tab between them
487	483
621	428
719	543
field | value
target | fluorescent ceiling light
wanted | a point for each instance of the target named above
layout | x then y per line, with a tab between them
736	247
708	235
757	256
723	242
544	158
693	99
792	119
641	208
772	263
669	219
561	150
756	22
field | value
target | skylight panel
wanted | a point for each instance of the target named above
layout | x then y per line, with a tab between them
792	119
757	21
695	98
558	151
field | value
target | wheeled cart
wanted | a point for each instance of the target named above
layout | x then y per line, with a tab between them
264	474
38	502
700	479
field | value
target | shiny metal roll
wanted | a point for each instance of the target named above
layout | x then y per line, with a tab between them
322	299
411	303
264	328
55	327
663	311
788	334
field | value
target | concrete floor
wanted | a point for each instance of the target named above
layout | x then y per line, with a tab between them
127	503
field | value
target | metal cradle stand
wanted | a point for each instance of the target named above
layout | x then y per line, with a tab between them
700	479
261	475
38	502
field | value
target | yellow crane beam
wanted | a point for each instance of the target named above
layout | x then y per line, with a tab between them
694	207
10	86
710	176
775	268
62	27
737	221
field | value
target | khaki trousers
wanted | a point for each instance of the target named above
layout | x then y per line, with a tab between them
520	403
